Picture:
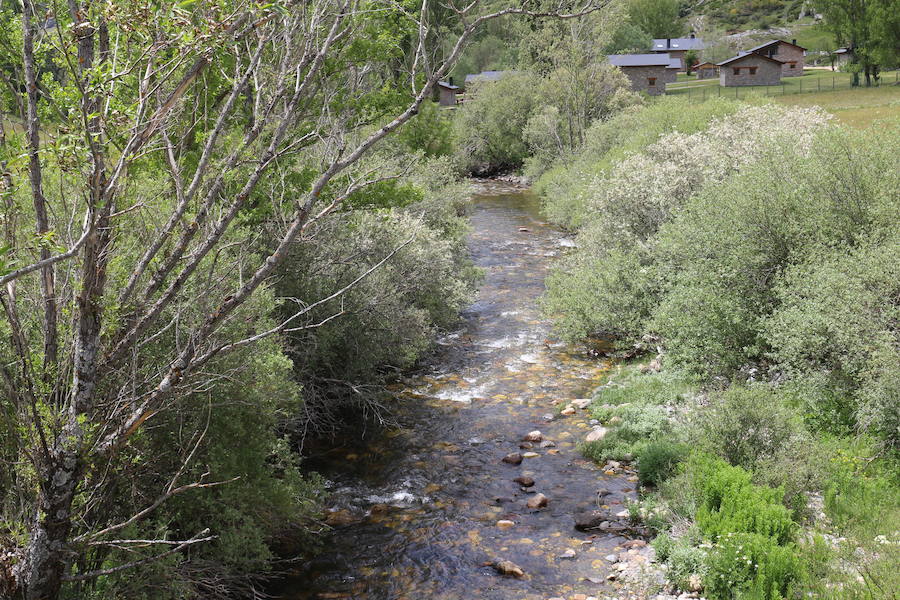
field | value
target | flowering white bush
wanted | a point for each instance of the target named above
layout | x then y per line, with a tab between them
644	189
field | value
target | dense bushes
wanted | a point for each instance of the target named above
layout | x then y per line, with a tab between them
746	268
388	318
763	261
526	119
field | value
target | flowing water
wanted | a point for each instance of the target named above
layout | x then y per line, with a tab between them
421	501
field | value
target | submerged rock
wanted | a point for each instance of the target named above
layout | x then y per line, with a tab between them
340	518
508	568
524	481
537	501
591	519
530	455
513	459
533	436
505	524
548	444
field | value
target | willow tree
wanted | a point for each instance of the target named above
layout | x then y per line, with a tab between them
114	300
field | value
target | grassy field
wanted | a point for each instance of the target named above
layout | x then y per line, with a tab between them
854	107
818	80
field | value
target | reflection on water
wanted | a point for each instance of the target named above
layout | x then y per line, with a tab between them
416	509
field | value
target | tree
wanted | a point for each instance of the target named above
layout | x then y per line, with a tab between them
869	29
172	123
658	18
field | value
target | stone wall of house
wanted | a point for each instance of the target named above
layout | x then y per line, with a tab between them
671	75
707	74
767	72
790	54
640	79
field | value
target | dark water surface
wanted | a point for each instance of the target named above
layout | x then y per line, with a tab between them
427	495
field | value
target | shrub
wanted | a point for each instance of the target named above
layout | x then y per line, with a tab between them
658	460
751	566
731	503
687	564
489	130
755	429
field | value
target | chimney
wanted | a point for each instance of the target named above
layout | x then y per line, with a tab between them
794	41
668	42
692	35
450	81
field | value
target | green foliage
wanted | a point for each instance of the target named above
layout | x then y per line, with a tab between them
565	188
429	132
686	564
754	428
731	503
659	460
657	18
751	566
489	130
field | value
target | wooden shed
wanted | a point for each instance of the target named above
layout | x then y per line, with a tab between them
707	70
447	93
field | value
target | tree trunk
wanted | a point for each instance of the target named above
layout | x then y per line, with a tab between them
40	575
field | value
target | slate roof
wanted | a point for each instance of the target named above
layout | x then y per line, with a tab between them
770	42
743	55
640	60
447	85
664	45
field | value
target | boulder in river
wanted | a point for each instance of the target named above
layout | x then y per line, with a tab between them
524	481
569	410
513	459
581	403
530	455
548	444
537	501
533	436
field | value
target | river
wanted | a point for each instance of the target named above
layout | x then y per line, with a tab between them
420	502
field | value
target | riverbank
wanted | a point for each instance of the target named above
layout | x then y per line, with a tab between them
825	507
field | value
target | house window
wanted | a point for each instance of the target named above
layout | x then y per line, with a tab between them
792	65
752	70
737	70
651	81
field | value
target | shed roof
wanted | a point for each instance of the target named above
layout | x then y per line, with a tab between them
744	55
447	85
770	42
688	43
705	65
640	60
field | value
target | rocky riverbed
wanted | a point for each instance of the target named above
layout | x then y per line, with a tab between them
479	490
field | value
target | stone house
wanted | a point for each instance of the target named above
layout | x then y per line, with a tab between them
792	56
749	68
677	47
707	70
646	72
447	92
672	69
